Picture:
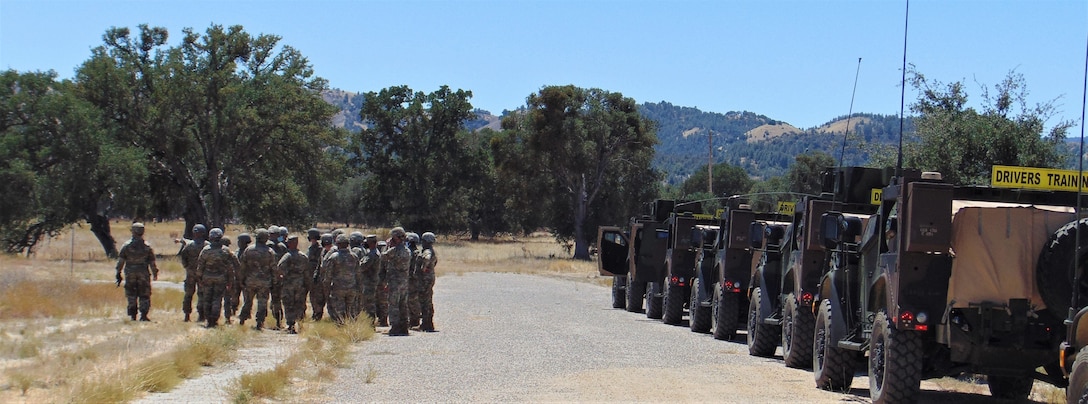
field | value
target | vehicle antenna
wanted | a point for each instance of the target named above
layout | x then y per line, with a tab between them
1080	189
846	134
902	96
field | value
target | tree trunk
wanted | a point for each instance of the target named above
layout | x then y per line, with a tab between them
581	248
100	227
194	213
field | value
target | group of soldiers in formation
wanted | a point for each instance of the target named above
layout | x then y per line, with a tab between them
390	281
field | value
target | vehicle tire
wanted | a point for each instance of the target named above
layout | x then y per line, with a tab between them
699	317
1052	273
726	314
895	363
798	325
1077	392
762	338
653	303
833	367
619	292
635	294
1010	387
673	304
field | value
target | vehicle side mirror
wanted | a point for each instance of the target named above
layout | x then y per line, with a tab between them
755	235
830	229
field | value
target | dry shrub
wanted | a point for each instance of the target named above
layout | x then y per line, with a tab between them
266	384
21	379
157	375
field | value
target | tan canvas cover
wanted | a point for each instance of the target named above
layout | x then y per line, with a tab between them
996	249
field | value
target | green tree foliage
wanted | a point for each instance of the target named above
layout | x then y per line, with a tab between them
584	155
56	164
422	168
805	177
963	143
728	180
233	125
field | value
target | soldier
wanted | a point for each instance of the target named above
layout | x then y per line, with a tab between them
216	270
428	260
295	270
318	294
136	258
190	251
257	263
313	253
277	239
396	260
369	265
235	292
355	240
381	306
341	268
414	284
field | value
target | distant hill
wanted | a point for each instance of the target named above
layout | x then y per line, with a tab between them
763	146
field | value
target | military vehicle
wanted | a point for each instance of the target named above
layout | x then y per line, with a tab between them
687	225
944	280
635	259
792	260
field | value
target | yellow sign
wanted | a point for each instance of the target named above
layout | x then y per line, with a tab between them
719	213
787	208
1037	178
875	195
703	216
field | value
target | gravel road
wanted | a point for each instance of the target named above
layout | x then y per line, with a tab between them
508	337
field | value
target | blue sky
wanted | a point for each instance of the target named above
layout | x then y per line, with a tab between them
793	61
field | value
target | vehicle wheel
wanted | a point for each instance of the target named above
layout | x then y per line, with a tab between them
762	338
832	366
1052	273
635	292
1077	392
673	304
1010	387
699	317
653	303
619	292
895	363
726	314
798	325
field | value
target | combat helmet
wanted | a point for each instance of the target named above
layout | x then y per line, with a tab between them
356	238
428	238
262	236
244	239
200	229
412	238
215	235
327	239
313	234
137	229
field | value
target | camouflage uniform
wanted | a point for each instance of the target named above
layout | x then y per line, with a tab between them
414	282
355	240
318	294
381	305
216	269
257	263
294	270
234	293
369	265
396	262
190	251
428	260
279	236
340	279
137	260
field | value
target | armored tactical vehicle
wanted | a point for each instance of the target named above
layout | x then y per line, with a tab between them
635	258
944	280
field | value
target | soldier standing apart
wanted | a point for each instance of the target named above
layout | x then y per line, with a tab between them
294	268
341	268
190	251
313	253
231	301
318	293
396	261
369	265
428	260
381	307
216	270
257	263
415	287
137	260
278	238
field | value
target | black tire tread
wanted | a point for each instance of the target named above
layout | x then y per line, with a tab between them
635	291
1052	273
699	317
1078	379
762	338
797	334
654	303
836	371
673	305
619	294
902	363
726	315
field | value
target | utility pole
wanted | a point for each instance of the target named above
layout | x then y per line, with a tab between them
710	162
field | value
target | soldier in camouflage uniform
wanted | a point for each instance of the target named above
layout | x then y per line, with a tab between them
257	263
190	251
428	260
318	294
277	241
137	260
313	254
355	240
397	260
216	270
369	265
340	279
235	291
414	285
381	305
295	270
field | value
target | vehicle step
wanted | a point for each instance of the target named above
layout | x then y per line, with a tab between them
853	346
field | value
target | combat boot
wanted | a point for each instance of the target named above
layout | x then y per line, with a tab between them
186	318
259	326
427	326
279	324
399	331
291	329
143	317
132	314
211	324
